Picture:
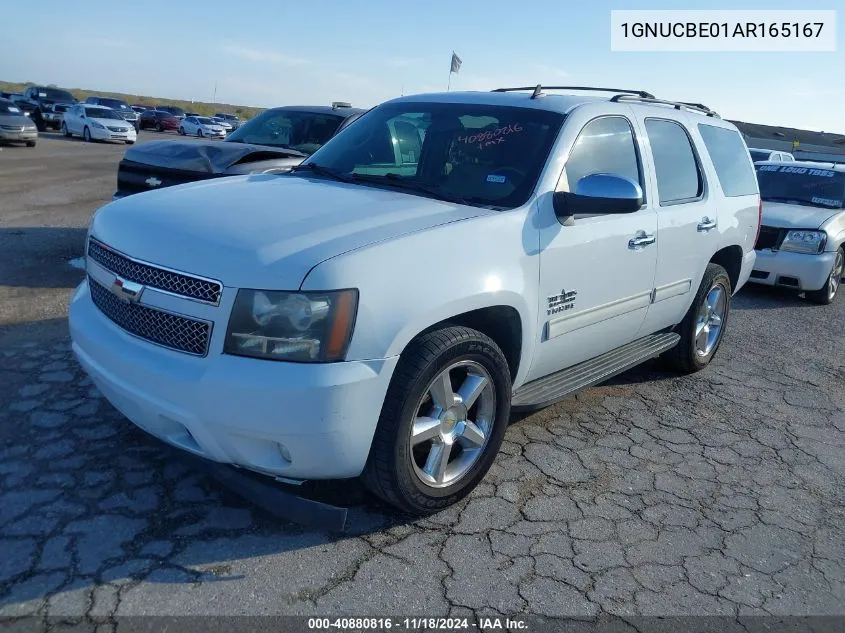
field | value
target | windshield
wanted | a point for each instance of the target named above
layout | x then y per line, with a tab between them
808	186
205	121
102	113
113	103
758	154
468	153
301	131
54	94
7	108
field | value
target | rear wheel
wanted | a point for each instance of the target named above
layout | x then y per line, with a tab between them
159	127
704	324
827	293
181	131
442	421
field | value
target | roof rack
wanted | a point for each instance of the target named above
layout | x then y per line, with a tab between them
340	104
695	107
538	90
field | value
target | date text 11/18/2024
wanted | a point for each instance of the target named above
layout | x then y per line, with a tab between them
416	624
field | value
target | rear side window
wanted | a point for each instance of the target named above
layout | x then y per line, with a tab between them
678	175
730	158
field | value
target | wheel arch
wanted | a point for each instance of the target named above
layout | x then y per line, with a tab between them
730	258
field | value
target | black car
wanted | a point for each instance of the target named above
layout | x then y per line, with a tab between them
48	104
174	110
275	140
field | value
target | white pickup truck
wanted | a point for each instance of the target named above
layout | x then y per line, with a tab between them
378	313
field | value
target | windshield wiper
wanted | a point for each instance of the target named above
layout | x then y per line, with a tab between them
395	180
320	170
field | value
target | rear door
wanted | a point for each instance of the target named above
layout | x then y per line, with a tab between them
687	218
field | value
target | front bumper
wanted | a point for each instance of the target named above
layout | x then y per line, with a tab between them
792	270
236	410
21	136
108	135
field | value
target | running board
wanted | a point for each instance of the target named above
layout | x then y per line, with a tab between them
545	391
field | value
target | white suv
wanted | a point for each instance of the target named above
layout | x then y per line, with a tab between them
379	312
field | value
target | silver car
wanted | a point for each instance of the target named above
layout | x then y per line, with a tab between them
14	126
801	244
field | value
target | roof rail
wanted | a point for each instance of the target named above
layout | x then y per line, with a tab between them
695	107
538	90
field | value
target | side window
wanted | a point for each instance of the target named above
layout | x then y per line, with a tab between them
730	158
676	168
605	145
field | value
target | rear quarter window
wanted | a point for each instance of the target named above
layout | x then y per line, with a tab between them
729	154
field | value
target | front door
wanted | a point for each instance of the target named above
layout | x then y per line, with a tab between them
597	274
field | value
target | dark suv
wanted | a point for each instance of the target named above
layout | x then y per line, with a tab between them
179	113
121	107
274	141
48	105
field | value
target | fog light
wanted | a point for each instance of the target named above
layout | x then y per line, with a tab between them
284	452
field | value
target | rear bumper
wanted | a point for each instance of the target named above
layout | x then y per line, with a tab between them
792	270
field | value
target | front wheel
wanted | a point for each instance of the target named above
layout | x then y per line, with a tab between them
159	127
827	293
442	421
130	142
704	324
65	131
199	132
181	131
86	135
30	143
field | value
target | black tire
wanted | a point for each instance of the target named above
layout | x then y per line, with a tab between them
65	131
39	121
684	357
827	293
130	142
199	132
159	127
389	472
181	131
86	135
30	143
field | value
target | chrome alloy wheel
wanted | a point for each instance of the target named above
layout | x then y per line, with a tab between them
710	319
836	274
452	427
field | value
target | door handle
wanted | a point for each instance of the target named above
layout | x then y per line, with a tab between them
706	224
641	239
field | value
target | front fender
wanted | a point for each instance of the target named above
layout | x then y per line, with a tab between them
412	282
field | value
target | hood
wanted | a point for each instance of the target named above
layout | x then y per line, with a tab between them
263	231
208	157
16	119
795	216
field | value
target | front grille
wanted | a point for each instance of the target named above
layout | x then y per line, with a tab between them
12	128
116	129
163	328
770	237
177	283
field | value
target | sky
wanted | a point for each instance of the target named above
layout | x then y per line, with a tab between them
282	52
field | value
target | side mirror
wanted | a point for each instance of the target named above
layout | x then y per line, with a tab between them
598	194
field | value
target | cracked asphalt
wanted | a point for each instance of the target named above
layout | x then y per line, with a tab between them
721	493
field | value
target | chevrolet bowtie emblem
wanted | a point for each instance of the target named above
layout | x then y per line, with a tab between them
152	181
127	291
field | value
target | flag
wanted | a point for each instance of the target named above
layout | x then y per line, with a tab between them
456	64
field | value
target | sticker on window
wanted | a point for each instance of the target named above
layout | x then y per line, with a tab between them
500	180
828	201
491	137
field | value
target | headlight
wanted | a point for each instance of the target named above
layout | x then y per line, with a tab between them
99	126
804	241
310	327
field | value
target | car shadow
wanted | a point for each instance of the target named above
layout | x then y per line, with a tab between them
37	257
760	297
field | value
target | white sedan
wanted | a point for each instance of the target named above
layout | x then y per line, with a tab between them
223	123
97	123
201	126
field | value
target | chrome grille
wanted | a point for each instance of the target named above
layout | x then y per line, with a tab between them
169	281
163	328
117	129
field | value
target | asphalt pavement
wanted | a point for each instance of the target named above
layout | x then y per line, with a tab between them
721	493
